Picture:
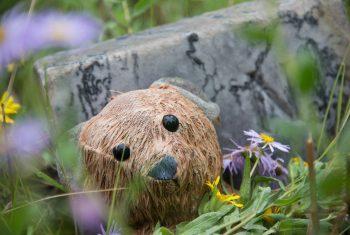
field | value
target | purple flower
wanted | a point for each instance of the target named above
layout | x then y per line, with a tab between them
21	34
15	36
266	140
27	138
54	29
267	166
87	212
113	230
251	149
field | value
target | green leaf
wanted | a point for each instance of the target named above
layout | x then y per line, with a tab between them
162	230
246	181
201	223
299	226
296	225
288	201
49	180
261	197
273	229
278	216
261	179
204	202
252	225
303	70
142	6
228	221
254	32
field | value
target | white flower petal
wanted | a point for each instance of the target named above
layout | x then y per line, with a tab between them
251	133
282	147
255	140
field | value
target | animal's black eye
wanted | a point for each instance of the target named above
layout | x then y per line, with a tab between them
121	152
170	122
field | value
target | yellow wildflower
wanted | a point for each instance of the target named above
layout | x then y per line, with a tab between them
271	210
10	67
296	160
214	184
8	105
299	161
266	138
230	199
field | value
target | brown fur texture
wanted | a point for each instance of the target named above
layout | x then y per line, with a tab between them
135	119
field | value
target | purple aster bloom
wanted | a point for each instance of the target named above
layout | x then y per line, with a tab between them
267	165
55	29
251	149
234	164
87	210
15	36
21	34
112	231
27	138
266	140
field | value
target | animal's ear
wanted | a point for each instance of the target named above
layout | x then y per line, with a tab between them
192	92
114	93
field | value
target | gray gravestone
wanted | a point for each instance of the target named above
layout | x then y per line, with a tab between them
245	80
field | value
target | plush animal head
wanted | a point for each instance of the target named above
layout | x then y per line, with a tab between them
161	136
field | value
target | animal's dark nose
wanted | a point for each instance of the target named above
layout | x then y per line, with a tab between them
165	169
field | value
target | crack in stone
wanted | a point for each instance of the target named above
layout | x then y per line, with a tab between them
135	69
91	87
234	89
327	58
256	80
256	77
291	17
192	38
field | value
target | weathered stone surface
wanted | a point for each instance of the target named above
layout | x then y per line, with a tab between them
245	80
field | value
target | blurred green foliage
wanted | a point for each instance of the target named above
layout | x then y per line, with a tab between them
121	17
129	16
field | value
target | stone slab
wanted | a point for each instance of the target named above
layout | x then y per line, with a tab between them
244	79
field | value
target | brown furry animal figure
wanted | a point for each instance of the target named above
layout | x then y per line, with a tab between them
161	136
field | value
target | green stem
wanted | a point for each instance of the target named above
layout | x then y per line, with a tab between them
238	226
127	16
347	115
315	224
58	196
329	104
111	208
340	98
342	67
227	224
254	166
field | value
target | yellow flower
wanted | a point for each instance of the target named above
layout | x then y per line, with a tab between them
296	160
271	210
214	184
8	104
230	199
266	138
299	161
10	67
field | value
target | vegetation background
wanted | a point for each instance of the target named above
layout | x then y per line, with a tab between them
36	188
